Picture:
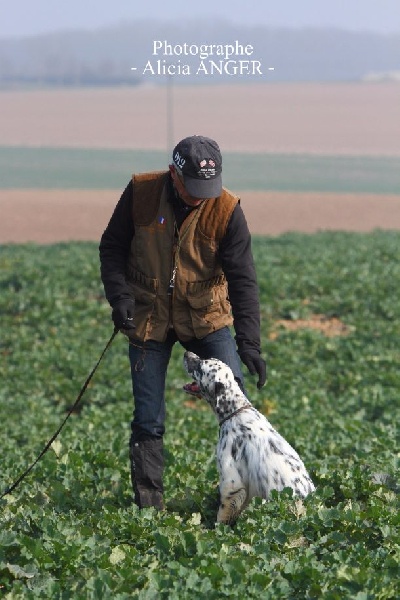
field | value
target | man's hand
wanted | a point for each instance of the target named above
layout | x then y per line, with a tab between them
123	313
255	364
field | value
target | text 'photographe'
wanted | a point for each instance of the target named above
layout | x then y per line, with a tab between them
202	60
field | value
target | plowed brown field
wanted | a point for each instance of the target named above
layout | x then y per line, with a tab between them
325	118
358	119
47	216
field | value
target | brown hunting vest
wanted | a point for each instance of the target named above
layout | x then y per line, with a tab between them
176	276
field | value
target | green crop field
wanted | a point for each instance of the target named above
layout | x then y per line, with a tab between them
70	168
70	529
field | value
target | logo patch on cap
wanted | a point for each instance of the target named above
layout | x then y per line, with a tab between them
203	163
179	160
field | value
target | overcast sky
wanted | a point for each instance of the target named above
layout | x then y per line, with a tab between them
27	17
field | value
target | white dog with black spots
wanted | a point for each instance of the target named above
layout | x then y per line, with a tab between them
252	457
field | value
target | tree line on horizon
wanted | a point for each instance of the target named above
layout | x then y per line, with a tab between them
119	55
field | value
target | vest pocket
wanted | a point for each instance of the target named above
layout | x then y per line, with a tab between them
210	309
144	290
136	277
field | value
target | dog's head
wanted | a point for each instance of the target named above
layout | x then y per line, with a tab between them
216	382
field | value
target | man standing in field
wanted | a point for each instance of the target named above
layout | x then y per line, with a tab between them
176	264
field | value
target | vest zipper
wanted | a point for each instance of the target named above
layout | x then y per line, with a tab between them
174	268
175	256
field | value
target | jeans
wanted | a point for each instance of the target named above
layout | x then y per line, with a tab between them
149	363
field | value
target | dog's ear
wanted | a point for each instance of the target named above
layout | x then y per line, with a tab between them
219	397
219	389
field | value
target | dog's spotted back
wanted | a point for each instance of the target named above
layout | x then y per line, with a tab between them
252	457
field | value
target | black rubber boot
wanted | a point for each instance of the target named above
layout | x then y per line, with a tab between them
147	465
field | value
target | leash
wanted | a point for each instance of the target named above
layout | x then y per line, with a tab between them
12	487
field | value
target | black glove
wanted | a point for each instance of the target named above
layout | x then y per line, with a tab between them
255	364
123	312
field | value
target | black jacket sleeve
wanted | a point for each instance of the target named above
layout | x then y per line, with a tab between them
238	265
114	248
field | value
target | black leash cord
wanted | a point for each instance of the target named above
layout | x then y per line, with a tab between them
71	410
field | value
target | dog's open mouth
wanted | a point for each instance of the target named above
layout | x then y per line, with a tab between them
192	389
190	361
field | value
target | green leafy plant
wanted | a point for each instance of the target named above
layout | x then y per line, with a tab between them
71	531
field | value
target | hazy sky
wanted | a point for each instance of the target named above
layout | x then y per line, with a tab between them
25	17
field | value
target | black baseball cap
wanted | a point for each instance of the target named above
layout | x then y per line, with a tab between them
199	160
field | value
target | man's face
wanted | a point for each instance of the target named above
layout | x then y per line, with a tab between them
180	188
